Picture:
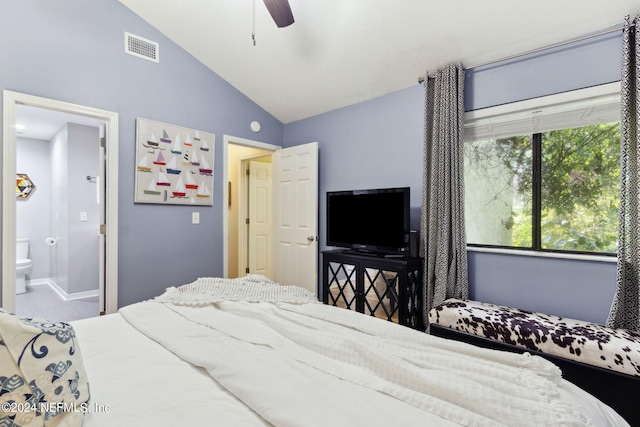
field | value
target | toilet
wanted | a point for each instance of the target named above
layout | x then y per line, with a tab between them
23	264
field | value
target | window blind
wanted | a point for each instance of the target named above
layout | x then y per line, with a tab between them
543	115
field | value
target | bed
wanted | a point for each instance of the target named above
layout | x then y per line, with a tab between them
250	352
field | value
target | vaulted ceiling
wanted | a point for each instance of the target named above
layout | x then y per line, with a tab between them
341	52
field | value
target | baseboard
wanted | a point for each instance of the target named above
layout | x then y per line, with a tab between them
65	296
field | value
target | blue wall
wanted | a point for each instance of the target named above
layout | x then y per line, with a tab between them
375	144
73	51
378	143
569	288
578	65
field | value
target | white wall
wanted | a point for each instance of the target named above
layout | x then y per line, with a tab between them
59	168
58	221
32	214
83	157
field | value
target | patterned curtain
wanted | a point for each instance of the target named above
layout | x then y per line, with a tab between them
625	310
442	215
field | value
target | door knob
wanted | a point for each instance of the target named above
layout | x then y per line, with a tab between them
312	238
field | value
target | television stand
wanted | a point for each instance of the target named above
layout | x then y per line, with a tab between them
374	254
386	287
395	256
364	253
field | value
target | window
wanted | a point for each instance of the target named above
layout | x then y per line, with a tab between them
545	175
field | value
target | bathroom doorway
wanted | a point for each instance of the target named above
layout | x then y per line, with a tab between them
58	221
67	154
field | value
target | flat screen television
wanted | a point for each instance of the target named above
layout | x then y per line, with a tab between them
372	221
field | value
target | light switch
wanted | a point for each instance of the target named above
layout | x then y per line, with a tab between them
83	216
195	218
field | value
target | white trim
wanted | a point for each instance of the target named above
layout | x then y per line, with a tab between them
37	282
10	99
559	98
61	293
8	203
557	255
226	140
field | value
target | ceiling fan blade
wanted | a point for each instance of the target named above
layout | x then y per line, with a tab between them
280	12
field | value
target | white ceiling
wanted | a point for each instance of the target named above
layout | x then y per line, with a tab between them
341	52
40	123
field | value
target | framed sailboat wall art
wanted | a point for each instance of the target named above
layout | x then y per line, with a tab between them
174	165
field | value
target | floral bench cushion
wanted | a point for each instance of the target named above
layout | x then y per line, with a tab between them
614	349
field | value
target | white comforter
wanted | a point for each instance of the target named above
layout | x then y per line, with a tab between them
309	364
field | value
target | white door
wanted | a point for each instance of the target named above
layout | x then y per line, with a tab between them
295	172
260	218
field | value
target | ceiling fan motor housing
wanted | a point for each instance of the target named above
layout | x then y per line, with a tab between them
280	12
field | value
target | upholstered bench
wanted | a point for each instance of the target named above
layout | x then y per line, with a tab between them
601	360
615	349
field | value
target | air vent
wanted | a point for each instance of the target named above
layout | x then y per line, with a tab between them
142	48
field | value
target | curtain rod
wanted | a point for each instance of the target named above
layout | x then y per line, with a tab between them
540	49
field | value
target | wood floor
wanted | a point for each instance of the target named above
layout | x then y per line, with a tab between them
42	302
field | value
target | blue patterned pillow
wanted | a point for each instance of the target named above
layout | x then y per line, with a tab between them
42	377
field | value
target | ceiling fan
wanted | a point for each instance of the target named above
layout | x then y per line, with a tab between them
280	12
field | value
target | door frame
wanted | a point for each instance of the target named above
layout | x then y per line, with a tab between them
226	140
8	273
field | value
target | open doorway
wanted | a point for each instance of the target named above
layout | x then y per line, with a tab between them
249	210
76	214
58	220
294	249
256	226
